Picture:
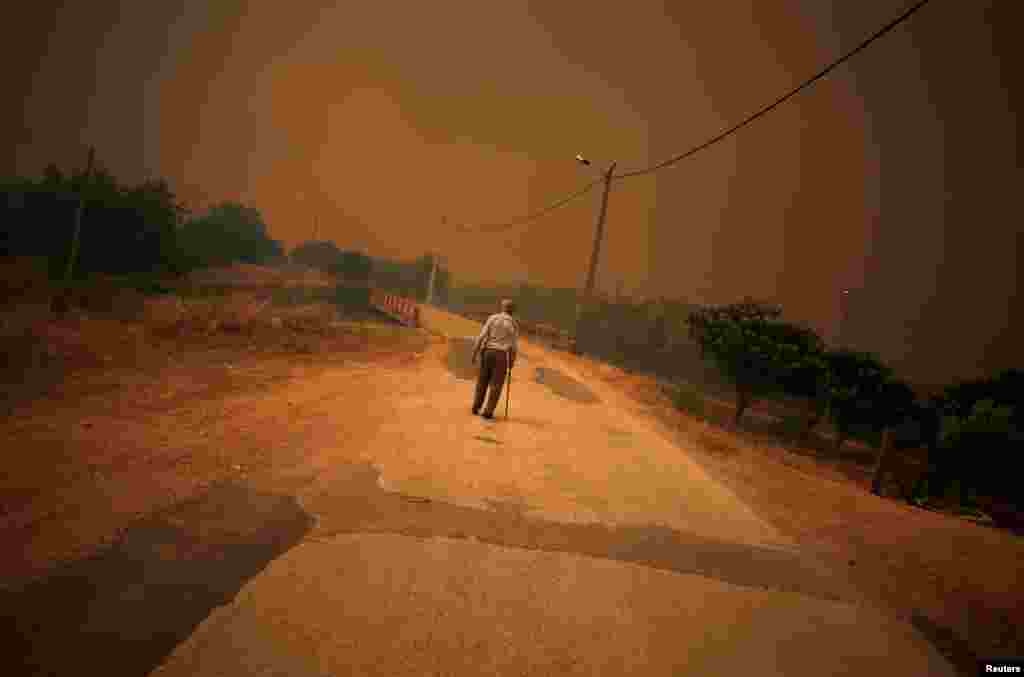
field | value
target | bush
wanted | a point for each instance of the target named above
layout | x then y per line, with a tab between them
757	352
352	298
983	448
864	395
687	397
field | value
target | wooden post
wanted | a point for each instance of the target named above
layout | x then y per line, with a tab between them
883	453
595	254
60	302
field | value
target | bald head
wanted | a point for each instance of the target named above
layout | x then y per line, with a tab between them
507	306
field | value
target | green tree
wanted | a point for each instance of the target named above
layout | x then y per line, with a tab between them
802	370
894	404
227	233
856	383
323	255
980	436
749	345
125	228
353	266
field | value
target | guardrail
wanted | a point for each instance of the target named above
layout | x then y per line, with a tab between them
403	309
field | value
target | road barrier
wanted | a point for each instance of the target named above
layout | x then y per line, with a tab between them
403	309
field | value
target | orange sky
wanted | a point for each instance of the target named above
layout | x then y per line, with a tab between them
372	121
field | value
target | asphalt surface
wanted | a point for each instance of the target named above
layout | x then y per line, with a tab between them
416	539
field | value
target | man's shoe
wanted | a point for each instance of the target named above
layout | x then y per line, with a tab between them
489	417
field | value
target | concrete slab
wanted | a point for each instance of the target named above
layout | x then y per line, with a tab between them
394	605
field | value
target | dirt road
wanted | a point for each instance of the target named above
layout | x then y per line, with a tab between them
355	518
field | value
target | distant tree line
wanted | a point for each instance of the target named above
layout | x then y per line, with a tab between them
227	233
411	278
125	228
407	278
973	431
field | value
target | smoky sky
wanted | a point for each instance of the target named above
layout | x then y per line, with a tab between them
384	125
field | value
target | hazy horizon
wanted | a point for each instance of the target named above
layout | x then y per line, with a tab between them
384	126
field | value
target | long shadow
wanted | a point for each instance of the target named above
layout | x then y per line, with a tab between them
128	606
460	358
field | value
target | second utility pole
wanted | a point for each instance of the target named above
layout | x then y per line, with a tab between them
59	303
588	289
433	268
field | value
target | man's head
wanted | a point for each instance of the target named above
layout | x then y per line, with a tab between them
507	306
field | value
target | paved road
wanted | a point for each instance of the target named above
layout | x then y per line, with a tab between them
569	539
417	539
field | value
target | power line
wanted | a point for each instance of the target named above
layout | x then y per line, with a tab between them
535	215
788	95
715	139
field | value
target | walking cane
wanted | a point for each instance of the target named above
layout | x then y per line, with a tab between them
508	388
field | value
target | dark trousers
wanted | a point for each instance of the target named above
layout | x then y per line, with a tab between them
493	367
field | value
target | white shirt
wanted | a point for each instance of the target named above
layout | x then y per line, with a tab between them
500	332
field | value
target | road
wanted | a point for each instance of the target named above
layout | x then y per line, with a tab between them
408	537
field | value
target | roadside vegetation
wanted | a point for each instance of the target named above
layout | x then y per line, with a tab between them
744	366
148	263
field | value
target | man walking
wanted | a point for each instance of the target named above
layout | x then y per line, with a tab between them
497	347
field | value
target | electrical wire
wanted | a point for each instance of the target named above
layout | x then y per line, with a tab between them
491	227
782	99
496	227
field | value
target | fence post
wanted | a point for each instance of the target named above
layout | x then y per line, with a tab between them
881	463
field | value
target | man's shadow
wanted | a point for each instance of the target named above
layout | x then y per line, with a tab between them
460	358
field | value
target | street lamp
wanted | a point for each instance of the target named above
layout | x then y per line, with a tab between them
595	253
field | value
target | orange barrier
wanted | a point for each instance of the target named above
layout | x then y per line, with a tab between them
402	309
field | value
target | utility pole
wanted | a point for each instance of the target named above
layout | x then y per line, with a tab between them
433	268
433	279
595	254
60	302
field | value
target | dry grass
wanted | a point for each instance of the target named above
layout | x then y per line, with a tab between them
109	323
960	582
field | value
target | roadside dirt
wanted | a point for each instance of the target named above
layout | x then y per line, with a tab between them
133	420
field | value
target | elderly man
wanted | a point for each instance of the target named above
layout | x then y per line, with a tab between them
497	348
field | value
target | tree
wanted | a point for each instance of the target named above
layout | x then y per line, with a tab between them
352	265
980	436
125	228
895	402
855	382
751	348
802	370
323	255
229	232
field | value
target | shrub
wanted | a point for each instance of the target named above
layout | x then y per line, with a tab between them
758	353
687	397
